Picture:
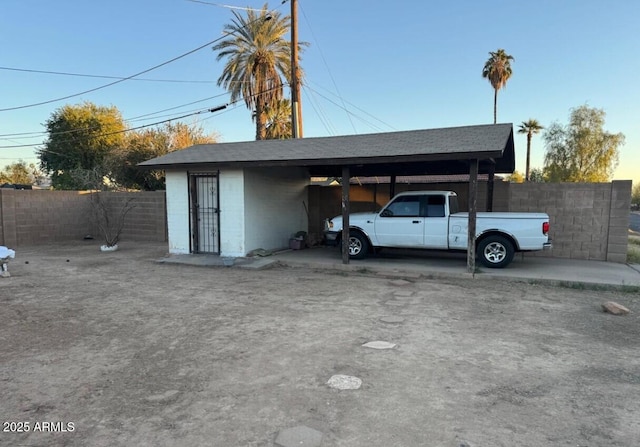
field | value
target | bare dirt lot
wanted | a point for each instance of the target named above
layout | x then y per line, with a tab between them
121	351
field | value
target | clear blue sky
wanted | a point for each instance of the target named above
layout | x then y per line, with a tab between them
392	65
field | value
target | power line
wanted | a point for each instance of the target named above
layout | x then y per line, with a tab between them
224	6
84	75
126	78
212	110
34	134
327	67
373	126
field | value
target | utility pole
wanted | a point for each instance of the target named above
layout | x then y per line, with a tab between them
296	106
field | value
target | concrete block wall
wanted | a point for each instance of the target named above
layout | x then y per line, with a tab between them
32	217
588	220
147	220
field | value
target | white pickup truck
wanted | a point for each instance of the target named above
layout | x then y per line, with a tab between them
431	220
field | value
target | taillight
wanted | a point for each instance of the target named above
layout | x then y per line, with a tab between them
545	228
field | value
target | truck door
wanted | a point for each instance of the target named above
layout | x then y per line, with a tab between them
401	223
436	226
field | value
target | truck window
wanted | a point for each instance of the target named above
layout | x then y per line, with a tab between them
405	206
453	205
435	206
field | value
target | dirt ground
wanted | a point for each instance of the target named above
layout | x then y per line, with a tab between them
121	351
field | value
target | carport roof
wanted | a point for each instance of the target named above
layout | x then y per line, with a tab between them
413	152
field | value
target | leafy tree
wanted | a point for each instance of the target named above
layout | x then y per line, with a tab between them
582	151
278	120
258	58
537	175
79	137
497	70
516	177
21	173
530	128
635	194
150	143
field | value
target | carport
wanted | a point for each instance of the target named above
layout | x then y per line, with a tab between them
486	149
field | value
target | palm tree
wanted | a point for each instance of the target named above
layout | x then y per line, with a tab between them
258	58
530	127
497	70
278	120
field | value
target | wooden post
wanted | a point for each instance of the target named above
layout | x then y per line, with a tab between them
392	187
492	172
296	106
473	206
346	177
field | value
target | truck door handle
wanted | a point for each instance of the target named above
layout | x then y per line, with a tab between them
416	221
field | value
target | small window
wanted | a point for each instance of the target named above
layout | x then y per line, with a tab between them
435	206
453	205
405	206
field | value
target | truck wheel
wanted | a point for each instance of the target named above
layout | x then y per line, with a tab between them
495	252
358	245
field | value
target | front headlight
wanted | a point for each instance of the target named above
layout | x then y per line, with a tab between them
328	224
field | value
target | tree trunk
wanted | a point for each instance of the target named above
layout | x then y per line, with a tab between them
261	131
495	106
526	173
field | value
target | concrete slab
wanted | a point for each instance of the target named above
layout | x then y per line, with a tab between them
436	264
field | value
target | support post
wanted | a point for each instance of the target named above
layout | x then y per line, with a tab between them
473	208
346	177
392	187
296	106
492	173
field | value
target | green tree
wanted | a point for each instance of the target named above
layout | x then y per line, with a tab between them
516	177
21	173
582	151
497	70
529	128
145	144
537	175
79	137
635	194
278	120
258	58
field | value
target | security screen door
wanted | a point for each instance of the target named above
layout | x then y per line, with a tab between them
204	212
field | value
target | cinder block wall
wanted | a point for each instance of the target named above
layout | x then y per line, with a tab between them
32	217
588	220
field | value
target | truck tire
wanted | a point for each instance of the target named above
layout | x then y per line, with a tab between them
495	251
358	245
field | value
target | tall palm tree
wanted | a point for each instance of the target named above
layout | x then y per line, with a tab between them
497	70
258	58
530	128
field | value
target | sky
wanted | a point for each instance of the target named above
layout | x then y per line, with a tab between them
370	66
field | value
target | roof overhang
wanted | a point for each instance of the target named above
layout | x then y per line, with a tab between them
418	152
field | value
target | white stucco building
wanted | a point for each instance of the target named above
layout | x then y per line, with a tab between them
232	198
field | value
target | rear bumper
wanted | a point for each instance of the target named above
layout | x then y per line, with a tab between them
547	245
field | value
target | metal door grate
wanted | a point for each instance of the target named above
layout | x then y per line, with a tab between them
204	213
